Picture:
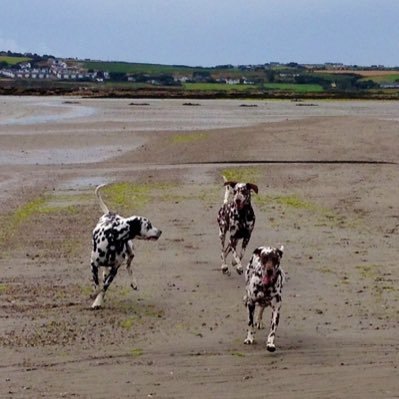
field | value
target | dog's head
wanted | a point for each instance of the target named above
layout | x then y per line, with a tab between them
141	227
241	192
270	262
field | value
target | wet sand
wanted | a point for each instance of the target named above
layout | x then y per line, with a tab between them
182	332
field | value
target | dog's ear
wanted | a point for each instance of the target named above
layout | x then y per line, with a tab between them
134	227
230	183
253	187
280	251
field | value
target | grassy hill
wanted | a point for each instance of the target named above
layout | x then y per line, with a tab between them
260	81
13	60
132	68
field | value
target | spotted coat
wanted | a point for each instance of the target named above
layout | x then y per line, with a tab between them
264	279
112	245
236	218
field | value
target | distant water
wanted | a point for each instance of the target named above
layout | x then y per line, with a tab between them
46	113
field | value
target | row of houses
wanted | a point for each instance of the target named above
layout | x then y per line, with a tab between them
49	74
53	70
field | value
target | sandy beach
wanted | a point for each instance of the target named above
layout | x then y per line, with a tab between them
327	174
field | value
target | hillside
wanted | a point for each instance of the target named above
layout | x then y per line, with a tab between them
35	74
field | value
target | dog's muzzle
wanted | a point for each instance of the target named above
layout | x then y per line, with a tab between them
268	277
155	236
239	203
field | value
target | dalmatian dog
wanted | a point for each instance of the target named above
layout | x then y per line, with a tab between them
113	245
236	217
264	282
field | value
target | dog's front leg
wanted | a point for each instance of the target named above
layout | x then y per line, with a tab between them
236	259
250	334
225	251
108	280
276	306
130	256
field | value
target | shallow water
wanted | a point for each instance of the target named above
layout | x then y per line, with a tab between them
27	111
117	119
173	115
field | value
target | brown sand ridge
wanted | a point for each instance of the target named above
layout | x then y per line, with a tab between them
328	182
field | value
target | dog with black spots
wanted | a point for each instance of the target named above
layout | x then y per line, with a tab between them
264	279
236	217
113	245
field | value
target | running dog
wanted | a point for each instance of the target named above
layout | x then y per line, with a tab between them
236	217
113	244
264	282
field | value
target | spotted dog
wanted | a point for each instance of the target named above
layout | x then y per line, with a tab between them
236	217
264	282
112	245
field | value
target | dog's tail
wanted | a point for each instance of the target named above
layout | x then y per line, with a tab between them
227	192
103	207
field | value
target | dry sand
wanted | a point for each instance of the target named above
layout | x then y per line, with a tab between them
325	193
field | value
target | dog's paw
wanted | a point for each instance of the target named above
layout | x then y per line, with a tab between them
134	286
250	338
225	270
239	269
271	347
98	301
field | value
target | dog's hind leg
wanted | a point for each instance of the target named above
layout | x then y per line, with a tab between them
105	274
94	273
259	322
130	254
96	282
244	245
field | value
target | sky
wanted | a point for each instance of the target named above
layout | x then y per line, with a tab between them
205	32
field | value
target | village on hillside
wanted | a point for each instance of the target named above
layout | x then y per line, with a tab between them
328	76
50	68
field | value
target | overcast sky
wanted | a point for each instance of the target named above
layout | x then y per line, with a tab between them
205	32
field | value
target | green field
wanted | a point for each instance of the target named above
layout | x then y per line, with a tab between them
133	68
386	78
13	60
292	87
216	87
296	87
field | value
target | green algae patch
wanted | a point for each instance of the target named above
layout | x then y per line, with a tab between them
244	175
127	324
286	201
4	288
128	196
136	352
238	354
12	221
